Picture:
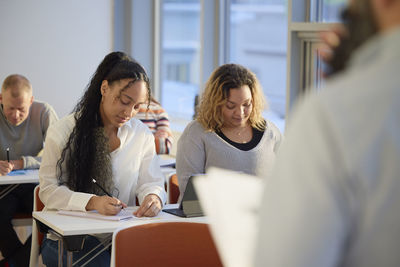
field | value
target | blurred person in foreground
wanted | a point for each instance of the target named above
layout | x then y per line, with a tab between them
333	197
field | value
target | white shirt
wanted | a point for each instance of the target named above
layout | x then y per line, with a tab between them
136	171
334	196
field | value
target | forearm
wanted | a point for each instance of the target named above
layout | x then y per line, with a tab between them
30	162
18	164
151	179
163	144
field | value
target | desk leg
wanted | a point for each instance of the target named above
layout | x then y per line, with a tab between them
69	258
7	190
60	252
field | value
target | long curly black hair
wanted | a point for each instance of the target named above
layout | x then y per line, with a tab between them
86	154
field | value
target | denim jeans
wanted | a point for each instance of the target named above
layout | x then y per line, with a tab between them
49	253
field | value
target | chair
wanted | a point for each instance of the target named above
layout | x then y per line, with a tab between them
37	237
164	244
173	189
22	219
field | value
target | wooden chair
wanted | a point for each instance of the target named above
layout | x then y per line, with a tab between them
37	237
164	244
173	189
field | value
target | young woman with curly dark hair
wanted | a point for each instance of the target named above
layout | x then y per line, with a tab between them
101	140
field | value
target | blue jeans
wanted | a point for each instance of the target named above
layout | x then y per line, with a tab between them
49	253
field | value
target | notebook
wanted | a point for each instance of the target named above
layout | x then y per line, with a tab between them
190	204
17	172
122	215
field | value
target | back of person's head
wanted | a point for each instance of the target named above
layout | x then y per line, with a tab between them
216	93
360	25
16	84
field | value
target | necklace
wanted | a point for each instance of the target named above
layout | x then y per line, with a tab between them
239	133
239	136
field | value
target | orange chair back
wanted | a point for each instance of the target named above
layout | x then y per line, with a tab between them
173	192
166	244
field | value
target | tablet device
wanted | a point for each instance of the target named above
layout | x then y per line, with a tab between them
190	204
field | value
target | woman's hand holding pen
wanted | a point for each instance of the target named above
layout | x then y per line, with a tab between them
105	205
5	167
150	207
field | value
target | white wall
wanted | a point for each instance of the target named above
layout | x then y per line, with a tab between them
57	45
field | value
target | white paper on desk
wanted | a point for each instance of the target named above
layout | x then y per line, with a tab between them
166	162
231	201
122	215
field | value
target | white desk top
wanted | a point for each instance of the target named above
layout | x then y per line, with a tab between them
71	225
31	176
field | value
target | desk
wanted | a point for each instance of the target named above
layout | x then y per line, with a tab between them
30	177
69	226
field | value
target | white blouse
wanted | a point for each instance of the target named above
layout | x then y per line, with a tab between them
135	166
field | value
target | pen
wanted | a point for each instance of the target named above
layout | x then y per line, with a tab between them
102	189
8	154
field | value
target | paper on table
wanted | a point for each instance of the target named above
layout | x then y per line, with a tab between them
17	172
231	202
167	162
122	215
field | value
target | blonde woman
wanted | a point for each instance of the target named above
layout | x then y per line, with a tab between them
229	131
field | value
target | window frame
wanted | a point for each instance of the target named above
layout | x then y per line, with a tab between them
302	39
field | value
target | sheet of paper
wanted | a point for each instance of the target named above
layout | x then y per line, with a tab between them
125	214
122	215
166	162
17	172
231	201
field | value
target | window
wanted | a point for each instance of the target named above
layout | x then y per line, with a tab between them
258	40
180	57
308	18
326	10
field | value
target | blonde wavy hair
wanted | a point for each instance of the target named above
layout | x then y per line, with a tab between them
216	93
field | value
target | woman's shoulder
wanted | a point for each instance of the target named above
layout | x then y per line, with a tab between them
272	130
62	127
67	121
194	127
137	126
194	131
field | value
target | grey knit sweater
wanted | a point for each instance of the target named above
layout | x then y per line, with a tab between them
26	140
198	150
